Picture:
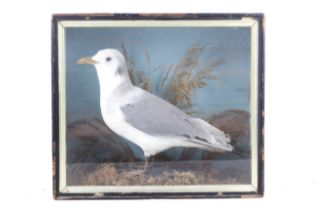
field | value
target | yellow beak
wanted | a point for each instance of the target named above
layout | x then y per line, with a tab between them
87	60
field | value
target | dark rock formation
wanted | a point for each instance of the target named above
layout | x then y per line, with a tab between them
236	123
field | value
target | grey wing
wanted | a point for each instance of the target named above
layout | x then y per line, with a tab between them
154	116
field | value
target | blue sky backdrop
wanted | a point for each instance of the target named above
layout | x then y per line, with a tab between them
165	46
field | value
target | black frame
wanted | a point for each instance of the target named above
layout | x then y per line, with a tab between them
55	105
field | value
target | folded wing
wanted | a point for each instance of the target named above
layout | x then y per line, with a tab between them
154	116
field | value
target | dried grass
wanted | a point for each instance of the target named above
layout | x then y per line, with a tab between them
166	75
188	77
147	57
138	77
167	173
178	82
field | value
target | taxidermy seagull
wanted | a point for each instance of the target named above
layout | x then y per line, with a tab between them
145	119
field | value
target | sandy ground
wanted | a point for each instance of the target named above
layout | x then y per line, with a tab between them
160	173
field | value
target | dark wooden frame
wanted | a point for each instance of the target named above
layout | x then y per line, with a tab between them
55	104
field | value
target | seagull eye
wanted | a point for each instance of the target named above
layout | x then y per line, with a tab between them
108	59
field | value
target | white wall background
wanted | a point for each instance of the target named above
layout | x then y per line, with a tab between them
25	102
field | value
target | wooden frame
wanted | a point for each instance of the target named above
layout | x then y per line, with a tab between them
61	22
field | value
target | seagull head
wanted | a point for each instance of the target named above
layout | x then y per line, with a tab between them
109	63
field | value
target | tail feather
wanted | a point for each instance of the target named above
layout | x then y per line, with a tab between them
217	140
212	147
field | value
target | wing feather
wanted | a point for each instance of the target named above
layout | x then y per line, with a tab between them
154	116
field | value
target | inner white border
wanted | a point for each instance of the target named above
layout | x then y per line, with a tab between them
245	22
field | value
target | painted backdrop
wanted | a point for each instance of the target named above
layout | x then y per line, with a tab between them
155	50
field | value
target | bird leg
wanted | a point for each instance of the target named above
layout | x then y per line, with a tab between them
146	162
144	169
